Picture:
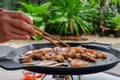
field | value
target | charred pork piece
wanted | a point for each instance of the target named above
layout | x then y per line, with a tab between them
60	51
59	64
88	57
101	55
41	63
91	54
77	63
49	55
47	63
43	50
28	53
38	57
70	54
57	50
24	59
78	49
59	58
89	50
32	63
78	55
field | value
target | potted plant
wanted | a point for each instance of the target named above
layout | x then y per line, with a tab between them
116	22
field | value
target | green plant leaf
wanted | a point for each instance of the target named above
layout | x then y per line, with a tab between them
76	27
37	37
116	21
28	7
41	9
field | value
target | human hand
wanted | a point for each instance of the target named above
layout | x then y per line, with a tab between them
15	25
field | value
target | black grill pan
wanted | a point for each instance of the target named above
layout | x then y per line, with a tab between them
113	57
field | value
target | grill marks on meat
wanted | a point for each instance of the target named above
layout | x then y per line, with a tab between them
77	63
25	59
88	57
74	55
92	55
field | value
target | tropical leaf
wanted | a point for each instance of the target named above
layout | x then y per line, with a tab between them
28	7
41	9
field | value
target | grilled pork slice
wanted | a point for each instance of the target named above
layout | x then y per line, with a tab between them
47	63
59	64
88	57
77	62
24	59
59	58
101	55
50	63
41	63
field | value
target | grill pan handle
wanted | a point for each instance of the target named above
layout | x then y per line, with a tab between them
10	64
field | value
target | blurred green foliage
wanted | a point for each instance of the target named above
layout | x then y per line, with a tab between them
62	17
71	17
75	17
116	21
37	13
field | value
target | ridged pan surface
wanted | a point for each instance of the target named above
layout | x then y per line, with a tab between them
113	57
